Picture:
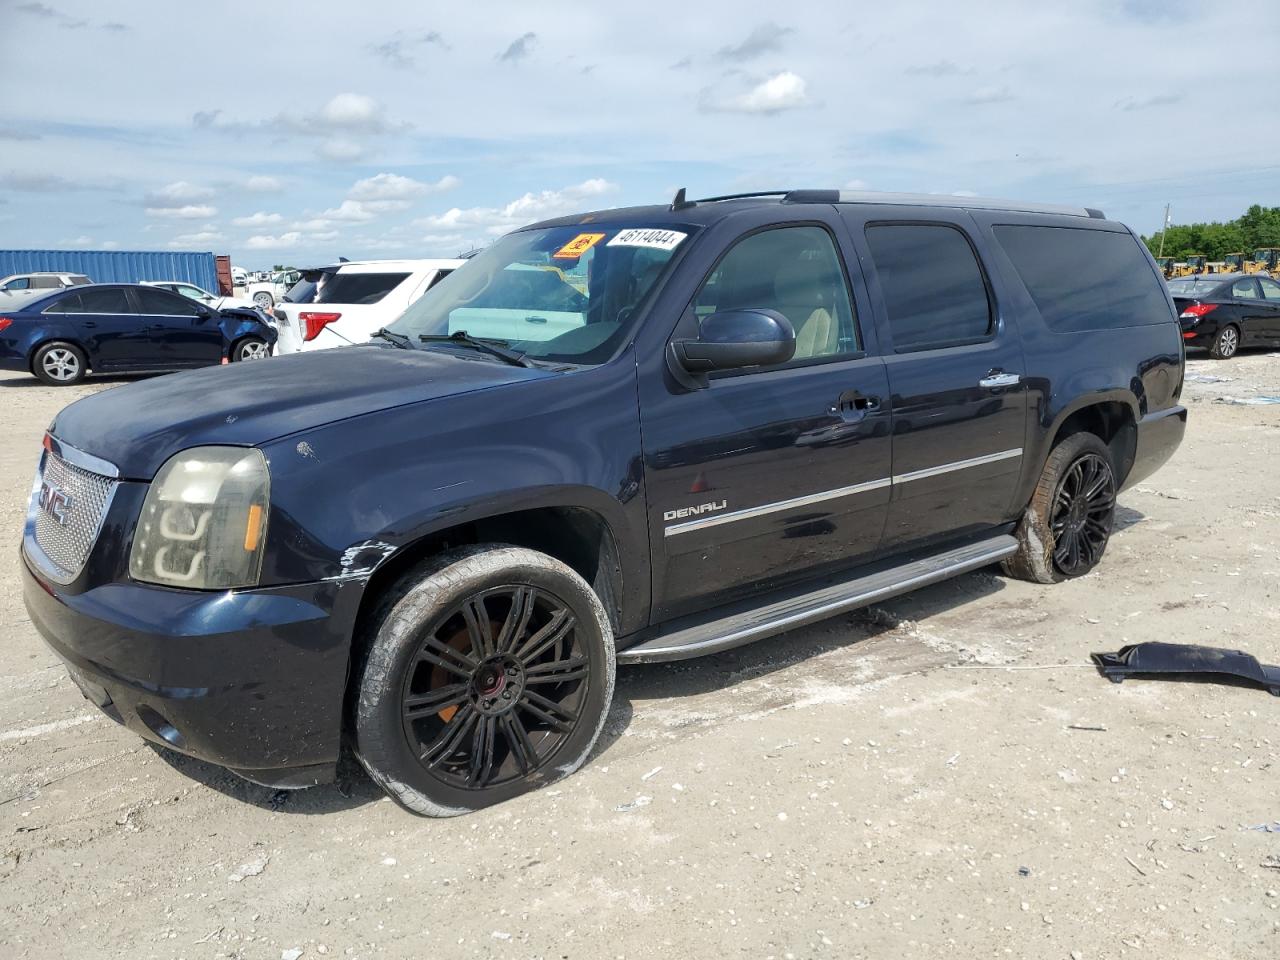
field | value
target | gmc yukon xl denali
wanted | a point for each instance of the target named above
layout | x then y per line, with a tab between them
629	436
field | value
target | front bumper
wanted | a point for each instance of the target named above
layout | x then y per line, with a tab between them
250	680
1159	435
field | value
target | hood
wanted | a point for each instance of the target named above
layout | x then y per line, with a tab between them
140	425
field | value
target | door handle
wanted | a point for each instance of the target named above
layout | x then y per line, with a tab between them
998	378
853	405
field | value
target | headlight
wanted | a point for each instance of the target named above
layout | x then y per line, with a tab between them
204	520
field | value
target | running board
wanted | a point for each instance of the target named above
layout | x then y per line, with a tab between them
754	623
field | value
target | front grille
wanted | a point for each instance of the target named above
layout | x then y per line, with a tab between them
87	495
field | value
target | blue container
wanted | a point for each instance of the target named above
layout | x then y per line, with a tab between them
115	266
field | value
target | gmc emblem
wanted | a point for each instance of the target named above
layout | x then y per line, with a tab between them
54	502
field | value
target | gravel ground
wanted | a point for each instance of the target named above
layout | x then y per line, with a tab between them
939	776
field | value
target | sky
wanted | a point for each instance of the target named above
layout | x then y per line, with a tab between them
300	132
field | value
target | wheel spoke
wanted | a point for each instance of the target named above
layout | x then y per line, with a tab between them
557	671
481	760
556	629
517	621
479	629
518	738
549	711
446	657
433	701
446	745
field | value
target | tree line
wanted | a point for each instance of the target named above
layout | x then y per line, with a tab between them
1258	227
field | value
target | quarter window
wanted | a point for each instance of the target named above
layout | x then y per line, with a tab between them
1244	289
934	289
1270	289
795	271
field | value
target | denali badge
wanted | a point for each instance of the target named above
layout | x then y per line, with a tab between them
694	511
54	502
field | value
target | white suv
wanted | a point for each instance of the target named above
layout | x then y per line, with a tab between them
43	281
349	301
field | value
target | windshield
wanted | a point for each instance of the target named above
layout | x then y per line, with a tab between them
566	294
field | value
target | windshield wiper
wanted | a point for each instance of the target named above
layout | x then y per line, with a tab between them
512	357
399	339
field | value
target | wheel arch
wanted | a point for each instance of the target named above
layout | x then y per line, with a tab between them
1112	418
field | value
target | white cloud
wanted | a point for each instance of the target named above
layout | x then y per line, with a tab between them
266	242
991	94
324	236
199	239
392	186
341	150
349	211
259	219
263	184
855	185
178	193
353	111
191	211
523	210
783	91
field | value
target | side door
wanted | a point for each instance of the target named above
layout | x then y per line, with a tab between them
108	324
180	332
768	475
1271	313
1250	310
955	367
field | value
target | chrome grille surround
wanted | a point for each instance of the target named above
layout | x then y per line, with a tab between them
60	550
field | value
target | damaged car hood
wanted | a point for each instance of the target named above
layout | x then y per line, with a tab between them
139	426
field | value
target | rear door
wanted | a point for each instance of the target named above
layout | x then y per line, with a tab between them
110	328
955	366
180	332
1271	310
1251	310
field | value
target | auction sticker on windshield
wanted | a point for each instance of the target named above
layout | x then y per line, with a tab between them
579	245
654	239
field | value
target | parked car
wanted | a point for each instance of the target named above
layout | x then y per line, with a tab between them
239	276
264	294
1226	312
755	413
200	295
43	281
348	301
61	337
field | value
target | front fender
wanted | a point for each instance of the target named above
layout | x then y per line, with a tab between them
238	322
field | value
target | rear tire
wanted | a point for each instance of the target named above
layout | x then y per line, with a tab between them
59	364
489	673
1065	529
250	348
1226	344
264	301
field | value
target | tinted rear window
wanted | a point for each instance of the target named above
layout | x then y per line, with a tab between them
357	287
933	287
1085	279
101	300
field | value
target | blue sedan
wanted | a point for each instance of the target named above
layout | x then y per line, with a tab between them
117	327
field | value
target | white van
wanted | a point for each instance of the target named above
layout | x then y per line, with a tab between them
347	302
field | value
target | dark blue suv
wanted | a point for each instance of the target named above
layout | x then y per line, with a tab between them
627	436
62	336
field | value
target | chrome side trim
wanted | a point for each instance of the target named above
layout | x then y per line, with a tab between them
956	465
85	461
767	508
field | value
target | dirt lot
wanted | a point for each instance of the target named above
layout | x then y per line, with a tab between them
927	778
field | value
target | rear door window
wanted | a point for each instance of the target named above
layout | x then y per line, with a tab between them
46	283
1270	289
100	300
1086	279
933	286
357	288
1244	289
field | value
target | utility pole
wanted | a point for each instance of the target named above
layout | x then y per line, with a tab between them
1164	228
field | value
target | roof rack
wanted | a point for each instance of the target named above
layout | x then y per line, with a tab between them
903	199
746	196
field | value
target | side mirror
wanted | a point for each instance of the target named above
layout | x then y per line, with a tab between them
732	339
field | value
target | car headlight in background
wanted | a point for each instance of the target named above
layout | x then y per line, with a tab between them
204	520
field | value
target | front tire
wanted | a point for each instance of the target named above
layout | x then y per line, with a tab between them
1226	344
1065	529
59	364
489	673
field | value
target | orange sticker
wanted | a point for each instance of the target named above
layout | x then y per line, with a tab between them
578	246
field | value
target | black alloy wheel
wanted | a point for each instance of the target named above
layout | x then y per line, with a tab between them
496	687
1083	511
488	672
